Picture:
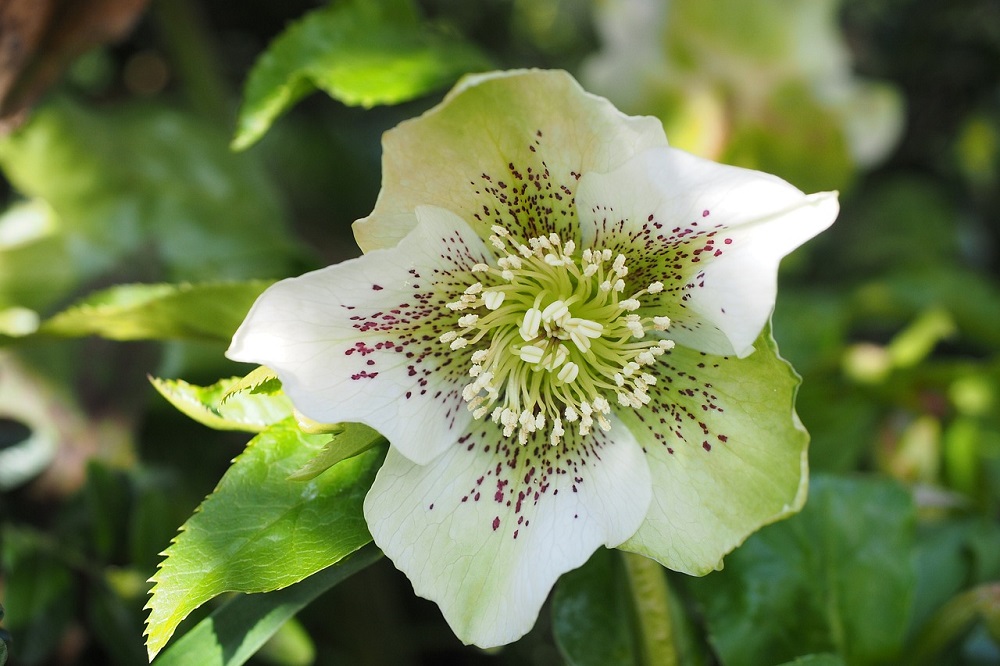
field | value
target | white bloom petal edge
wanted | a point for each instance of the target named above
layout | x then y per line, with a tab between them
485	532
714	234
359	341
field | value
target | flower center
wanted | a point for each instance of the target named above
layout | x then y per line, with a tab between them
552	338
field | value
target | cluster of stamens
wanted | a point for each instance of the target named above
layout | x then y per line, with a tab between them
552	337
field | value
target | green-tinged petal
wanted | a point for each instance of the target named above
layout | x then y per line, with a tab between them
359	341
503	147
712	234
485	529
726	451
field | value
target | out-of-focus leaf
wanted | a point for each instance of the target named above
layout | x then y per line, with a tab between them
209	405
157	188
36	269
238	628
952	554
258	531
816	660
38	593
351	440
360	52
840	575
963	294
210	312
290	645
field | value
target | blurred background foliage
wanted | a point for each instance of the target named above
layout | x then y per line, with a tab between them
123	173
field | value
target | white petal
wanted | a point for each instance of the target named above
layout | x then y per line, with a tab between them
502	148
486	529
359	341
713	234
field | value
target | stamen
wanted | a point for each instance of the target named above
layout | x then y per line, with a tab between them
549	339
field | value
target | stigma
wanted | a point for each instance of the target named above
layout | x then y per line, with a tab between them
553	338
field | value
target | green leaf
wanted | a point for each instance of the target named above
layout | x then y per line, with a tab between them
237	629
145	192
840	575
590	614
594	616
210	312
212	406
816	660
260	532
261	380
353	439
360	53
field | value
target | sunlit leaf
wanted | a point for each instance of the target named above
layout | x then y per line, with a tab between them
261	380
362	53
840	575
260	532
159	312
351	440
209	405
238	628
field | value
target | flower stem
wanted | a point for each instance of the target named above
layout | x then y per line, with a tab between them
651	602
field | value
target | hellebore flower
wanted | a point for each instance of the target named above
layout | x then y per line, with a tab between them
558	327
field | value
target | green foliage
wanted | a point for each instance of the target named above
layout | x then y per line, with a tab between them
220	407
259	532
358	52
891	317
156	187
596	617
238	628
349	440
205	312
835	585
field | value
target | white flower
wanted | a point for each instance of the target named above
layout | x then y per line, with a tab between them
554	326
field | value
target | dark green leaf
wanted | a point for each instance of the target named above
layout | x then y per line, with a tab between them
591	615
159	312
816	660
259	531
238	628
212	406
361	52
594	616
840	575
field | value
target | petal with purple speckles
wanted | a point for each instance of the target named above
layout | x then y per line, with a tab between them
485	531
359	341
503	147
712	234
727	454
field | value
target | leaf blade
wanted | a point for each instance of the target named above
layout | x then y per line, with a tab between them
259	532
237	629
359	53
